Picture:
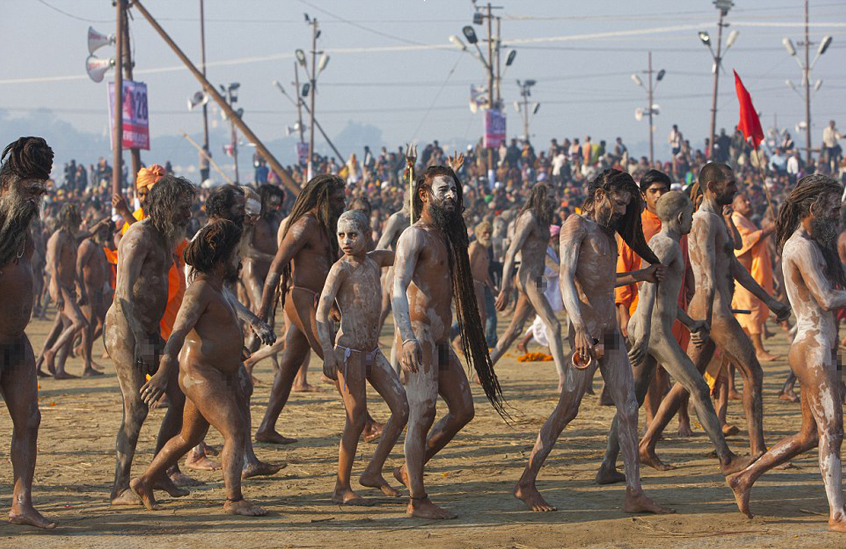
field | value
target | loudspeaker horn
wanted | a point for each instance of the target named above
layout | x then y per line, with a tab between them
97	40
97	68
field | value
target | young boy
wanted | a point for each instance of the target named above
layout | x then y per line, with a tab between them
207	326
354	281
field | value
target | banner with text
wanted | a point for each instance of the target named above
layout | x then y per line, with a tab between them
494	128
136	129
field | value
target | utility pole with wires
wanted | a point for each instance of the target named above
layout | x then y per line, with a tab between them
299	103
652	108
316	69
525	93
117	134
806	68
135	153
724	6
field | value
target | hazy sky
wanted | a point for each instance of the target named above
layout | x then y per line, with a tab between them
393	67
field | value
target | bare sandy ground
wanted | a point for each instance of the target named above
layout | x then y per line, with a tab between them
473	476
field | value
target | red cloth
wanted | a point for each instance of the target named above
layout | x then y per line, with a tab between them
749	123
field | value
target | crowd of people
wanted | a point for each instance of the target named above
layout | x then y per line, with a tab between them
643	271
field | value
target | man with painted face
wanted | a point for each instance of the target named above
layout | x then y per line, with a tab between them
588	259
806	230
531	238
132	332
651	338
26	167
432	269
715	269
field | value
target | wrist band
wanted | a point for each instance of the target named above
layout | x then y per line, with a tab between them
409	339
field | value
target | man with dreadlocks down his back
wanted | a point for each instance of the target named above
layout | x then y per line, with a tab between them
432	268
26	167
806	230
588	260
531	238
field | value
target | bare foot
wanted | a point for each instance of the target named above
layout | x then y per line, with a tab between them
64	375
50	359
376	480
272	437
128	497
734	395
91	372
423	508
41	373
838	522
788	396
261	469
372	431
345	496
766	357
736	463
146	494
401	475
608	474
166	484
532	498
730	430
648	457
741	490
642	504
685	430
244	508
201	463
306	388
326	380
181	479
29	516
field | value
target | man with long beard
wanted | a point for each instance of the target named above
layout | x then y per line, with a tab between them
807	232
715	269
309	249
132	335
588	258
26	168
531	238
432	268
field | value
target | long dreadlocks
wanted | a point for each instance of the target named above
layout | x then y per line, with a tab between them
629	226
463	294
808	194
315	196
538	203
26	158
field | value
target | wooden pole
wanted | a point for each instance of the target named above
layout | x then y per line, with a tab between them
127	70
117	129
283	174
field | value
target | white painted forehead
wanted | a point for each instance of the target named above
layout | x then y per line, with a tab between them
443	180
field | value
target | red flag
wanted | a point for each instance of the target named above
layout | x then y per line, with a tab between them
749	123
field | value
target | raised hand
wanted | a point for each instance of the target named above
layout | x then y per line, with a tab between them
456	161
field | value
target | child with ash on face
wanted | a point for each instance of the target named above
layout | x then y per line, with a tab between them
352	357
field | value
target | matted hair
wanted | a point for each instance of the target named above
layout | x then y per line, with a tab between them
220	201
629	227
314	196
470	326
166	195
267	191
26	158
538	203
213	244
809	192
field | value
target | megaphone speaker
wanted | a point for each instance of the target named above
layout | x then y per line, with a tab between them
97	40
97	68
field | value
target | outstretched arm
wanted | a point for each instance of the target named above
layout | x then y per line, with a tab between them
409	247
652	274
392	228
294	241
745	279
258	326
193	306
383	258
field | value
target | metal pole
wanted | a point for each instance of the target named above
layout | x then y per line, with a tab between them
807	75
135	154
718	61
234	137
313	92
651	130
490	80
525	93
498	79
203	68
117	134
283	174
300	102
